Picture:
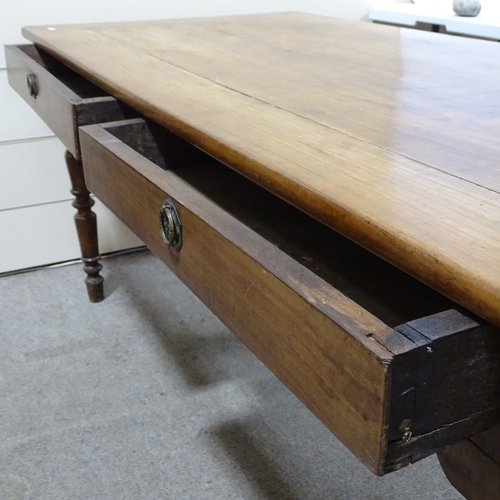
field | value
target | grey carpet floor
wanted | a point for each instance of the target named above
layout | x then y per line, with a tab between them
148	396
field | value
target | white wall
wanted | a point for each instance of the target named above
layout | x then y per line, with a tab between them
36	225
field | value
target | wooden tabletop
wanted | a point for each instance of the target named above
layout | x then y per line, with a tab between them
388	135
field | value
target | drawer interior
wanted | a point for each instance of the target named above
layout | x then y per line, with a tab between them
395	385
71	79
382	289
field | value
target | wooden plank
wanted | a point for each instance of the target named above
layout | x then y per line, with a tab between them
423	217
306	63
471	471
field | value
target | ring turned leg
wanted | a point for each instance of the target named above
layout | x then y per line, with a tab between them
86	227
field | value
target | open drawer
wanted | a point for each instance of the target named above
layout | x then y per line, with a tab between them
61	97
394	369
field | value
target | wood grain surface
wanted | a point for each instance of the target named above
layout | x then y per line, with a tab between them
309	303
295	326
385	134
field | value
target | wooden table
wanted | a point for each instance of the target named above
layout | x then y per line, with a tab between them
329	189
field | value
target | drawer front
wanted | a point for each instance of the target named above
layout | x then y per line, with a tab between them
356	373
62	98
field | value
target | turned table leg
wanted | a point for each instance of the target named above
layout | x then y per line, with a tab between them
86	227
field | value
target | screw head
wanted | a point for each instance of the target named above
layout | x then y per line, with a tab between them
406	436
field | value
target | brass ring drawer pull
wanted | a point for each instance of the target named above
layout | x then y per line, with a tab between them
32	83
170	225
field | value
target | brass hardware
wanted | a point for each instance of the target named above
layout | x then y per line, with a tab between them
32	84
405	427
170	225
407	436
